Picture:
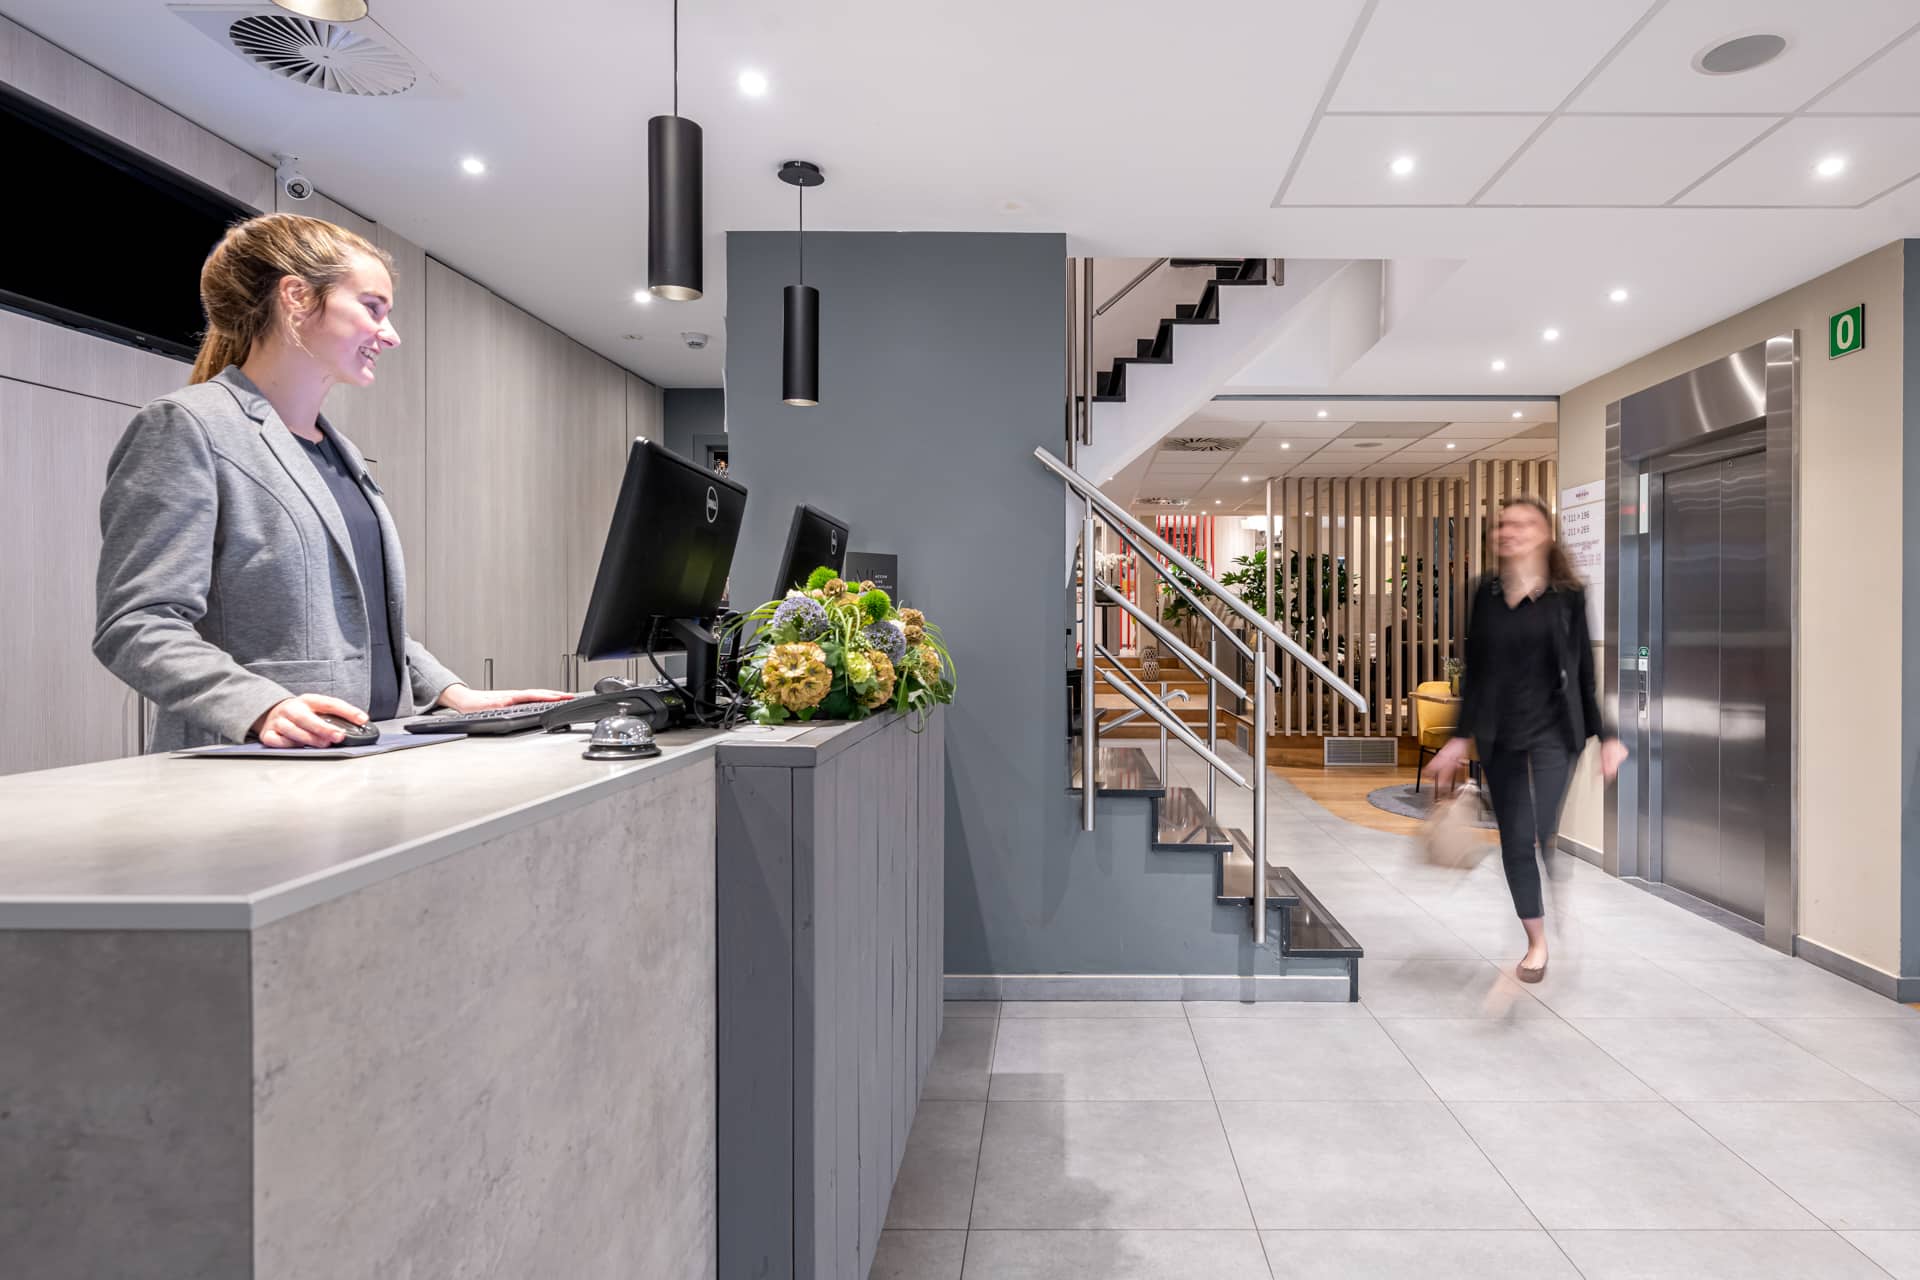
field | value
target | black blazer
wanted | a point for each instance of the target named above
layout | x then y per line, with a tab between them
1580	716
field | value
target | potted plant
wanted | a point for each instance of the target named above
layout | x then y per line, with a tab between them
841	651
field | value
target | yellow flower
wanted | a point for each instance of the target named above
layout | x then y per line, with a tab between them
884	675
859	667
796	675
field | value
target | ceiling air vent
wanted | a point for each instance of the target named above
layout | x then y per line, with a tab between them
1160	502
356	59
1199	444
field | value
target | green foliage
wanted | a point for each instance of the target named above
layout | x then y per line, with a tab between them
820	577
876	605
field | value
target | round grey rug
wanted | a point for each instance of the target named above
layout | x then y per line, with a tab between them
1400	799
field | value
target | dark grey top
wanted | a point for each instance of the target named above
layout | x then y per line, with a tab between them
1524	669
363	530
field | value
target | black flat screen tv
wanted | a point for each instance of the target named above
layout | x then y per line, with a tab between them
102	238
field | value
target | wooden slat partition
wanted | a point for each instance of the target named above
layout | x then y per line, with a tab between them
1411	549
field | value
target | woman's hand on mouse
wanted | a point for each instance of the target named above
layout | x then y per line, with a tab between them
297	723
461	698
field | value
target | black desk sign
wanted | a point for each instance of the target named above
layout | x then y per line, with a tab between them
883	570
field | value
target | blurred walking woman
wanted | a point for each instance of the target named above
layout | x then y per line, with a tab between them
250	578
1527	702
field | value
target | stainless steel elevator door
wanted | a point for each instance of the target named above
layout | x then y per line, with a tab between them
1712	691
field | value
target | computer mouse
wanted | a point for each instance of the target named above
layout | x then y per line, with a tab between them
357	735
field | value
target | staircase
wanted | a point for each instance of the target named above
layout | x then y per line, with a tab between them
1111	387
1181	823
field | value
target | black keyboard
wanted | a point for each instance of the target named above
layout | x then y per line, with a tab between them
494	720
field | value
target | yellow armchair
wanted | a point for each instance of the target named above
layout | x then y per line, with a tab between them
1436	714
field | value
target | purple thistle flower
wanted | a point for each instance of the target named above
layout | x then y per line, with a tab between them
888	639
803	613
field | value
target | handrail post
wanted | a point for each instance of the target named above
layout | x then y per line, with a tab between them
1260	795
1089	722
1213	715
1163	737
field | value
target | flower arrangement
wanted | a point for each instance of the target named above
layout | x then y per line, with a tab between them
842	651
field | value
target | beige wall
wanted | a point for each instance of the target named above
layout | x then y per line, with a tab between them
1848	662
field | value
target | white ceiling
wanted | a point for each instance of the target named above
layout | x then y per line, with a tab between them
1397	439
1134	133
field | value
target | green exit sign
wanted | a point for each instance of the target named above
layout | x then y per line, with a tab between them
1846	332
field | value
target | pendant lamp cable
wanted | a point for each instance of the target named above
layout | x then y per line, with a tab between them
676	57
802	237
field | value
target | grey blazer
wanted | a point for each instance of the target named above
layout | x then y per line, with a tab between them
227	582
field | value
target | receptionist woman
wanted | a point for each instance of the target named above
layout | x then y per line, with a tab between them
250	577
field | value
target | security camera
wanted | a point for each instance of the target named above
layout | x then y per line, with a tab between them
694	341
297	185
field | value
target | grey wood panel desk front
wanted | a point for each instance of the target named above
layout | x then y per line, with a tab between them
443	1012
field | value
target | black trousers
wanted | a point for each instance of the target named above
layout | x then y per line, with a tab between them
1526	786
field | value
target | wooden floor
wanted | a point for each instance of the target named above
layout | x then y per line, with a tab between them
1343	792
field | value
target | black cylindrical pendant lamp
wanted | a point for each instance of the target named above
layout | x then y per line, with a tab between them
673	208
674	197
800	329
800	346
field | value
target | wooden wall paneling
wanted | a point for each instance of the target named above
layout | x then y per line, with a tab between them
1376	566
52	355
58	705
1343	610
594	432
45	71
1284	592
1311	583
1427	573
1396	545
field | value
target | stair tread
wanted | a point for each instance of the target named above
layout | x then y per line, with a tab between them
1124	771
1184	822
1236	873
1311	928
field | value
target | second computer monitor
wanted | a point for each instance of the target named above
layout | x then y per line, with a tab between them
667	555
815	539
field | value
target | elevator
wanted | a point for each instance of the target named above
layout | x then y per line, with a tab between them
1699	634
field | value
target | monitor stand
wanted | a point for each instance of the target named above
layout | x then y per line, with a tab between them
703	658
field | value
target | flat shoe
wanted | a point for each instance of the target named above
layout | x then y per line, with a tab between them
1530	975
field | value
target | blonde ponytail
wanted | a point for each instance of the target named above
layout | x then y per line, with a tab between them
242	278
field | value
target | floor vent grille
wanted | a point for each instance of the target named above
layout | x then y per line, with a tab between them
1356	752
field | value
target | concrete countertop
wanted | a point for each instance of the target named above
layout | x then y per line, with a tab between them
160	842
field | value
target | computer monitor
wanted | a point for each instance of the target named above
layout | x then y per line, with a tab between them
815	539
663	569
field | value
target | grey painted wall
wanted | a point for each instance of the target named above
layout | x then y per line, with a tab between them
695	416
941	370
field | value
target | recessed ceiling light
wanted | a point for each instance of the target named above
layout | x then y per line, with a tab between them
1742	53
1516	413
1452	445
753	84
1322	413
1402	166
1285	445
1618	295
1499	366
642	297
474	165
1831	166
1549	335
1246	479
1216	502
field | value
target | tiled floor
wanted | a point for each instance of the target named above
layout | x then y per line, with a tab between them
1673	1101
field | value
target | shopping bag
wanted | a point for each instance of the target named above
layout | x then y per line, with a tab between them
1452	838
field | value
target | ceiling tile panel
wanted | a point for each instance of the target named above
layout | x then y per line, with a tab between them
1417	55
1879	151
1890	84
1347	161
1391	430
1655	72
1620	160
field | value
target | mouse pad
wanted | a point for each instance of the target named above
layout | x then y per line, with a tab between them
390	740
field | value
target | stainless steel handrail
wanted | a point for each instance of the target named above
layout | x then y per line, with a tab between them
1198	664
1180	589
1129	286
1117	516
1171	724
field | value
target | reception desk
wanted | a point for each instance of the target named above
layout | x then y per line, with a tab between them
449	1011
